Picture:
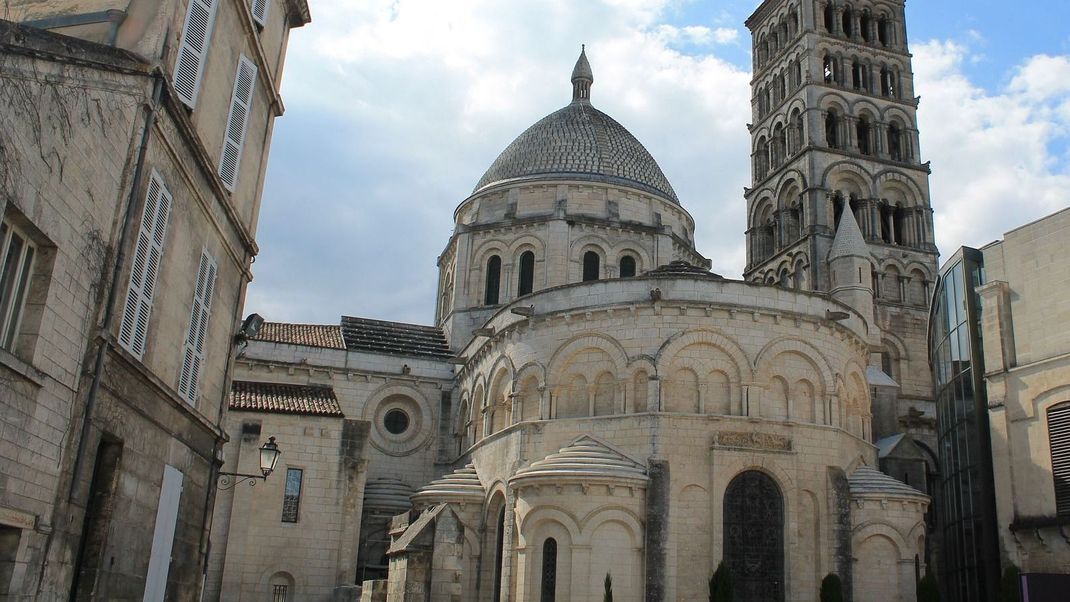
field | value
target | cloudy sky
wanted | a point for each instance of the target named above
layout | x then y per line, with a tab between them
395	108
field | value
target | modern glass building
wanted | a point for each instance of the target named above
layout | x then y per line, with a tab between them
970	569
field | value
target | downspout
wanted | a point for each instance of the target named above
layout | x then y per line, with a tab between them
113	292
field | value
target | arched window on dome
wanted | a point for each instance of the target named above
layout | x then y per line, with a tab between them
627	266
829	18
526	282
549	571
494	280
591	265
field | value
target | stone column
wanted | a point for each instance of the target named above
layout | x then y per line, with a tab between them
653	396
656	536
544	402
508	528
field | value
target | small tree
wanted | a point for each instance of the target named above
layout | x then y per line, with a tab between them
1009	586
928	589
608	596
721	588
831	588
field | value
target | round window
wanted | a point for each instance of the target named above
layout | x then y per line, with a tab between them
396	422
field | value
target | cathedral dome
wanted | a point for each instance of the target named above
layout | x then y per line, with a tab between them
579	142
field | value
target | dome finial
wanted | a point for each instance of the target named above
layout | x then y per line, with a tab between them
582	78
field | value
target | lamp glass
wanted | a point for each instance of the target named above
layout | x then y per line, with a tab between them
269	456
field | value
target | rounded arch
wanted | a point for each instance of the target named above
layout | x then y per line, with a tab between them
765	357
590	522
526	242
543	513
847	176
753	530
671	347
588	340
889	180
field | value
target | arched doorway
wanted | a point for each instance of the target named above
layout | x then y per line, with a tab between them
754	537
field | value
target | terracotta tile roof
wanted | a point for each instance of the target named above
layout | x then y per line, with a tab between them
309	335
308	400
362	334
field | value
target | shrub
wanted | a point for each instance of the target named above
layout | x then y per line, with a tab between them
831	588
608	596
721	589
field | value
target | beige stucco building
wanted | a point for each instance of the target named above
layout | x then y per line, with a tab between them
591	400
1027	377
134	139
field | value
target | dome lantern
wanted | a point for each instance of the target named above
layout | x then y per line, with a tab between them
582	78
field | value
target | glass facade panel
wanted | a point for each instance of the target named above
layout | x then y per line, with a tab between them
967	502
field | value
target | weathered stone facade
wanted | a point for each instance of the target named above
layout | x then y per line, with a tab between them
101	427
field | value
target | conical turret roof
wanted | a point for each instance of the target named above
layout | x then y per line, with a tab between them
583	67
586	459
870	482
461	485
849	241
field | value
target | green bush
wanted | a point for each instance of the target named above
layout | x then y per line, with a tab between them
1008	585
928	589
721	589
608	596
831	588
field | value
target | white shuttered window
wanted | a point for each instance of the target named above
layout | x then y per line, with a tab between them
193	49
146	265
234	137
1059	439
260	10
193	354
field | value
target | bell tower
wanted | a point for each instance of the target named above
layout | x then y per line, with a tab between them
834	128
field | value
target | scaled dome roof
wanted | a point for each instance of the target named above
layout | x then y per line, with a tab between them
582	143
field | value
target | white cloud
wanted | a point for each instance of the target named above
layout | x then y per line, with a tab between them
994	155
396	108
1043	77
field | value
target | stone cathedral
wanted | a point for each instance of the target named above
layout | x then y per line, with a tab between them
593	401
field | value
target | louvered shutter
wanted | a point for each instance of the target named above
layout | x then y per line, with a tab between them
193	49
146	264
234	137
193	352
260	11
1059	438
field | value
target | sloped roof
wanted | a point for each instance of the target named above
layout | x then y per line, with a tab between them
414	530
879	378
866	481
585	459
460	485
328	336
887	445
277	398
397	338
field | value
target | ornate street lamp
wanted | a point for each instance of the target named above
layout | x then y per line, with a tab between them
269	456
